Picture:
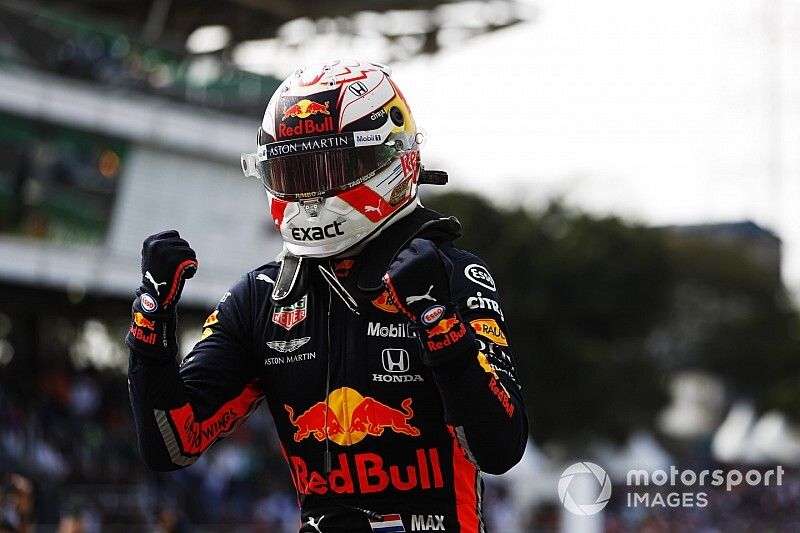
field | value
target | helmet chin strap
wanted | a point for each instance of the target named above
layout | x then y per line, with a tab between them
292	282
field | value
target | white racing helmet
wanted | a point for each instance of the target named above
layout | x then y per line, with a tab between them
338	156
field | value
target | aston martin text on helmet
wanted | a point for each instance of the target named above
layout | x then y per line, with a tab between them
338	155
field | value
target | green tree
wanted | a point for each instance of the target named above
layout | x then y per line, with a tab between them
580	294
731	315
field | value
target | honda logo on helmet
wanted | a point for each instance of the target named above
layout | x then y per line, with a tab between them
395	360
358	88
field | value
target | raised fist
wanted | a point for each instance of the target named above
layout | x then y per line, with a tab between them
167	262
418	281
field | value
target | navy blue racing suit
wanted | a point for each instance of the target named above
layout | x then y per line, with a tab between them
374	439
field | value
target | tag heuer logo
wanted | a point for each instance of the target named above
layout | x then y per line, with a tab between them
290	316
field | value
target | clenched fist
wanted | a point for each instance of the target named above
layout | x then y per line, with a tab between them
167	262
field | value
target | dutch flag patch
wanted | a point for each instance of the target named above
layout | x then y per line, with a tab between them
391	523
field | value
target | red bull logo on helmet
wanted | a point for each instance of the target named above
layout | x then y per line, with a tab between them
348	417
302	110
305	108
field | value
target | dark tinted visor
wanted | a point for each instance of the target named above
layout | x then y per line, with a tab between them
323	173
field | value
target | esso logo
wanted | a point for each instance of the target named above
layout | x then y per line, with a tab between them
480	276
432	314
149	303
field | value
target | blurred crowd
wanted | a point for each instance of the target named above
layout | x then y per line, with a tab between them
68	457
74	48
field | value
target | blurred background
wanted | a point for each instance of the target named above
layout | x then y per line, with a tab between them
628	169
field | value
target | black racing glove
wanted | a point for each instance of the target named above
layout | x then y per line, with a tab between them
418	281
167	262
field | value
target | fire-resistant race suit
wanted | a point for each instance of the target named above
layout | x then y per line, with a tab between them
375	439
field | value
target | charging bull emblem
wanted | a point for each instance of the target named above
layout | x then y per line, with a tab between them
348	417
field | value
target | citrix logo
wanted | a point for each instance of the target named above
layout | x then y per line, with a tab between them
600	482
316	233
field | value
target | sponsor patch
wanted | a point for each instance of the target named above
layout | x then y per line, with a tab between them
206	333
432	314
482	302
484	362
480	276
444	325
449	339
342	268
378	329
317	233
487	327
384	303
149	304
288	346
262	277
396	361
346	417
391	523
295	358
140	320
212	319
289	316
400	192
430	522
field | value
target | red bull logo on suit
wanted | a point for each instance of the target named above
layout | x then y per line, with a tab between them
348	417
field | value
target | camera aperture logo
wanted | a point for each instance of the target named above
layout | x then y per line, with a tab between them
580	480
585	488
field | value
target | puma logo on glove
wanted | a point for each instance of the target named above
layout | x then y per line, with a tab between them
167	262
418	281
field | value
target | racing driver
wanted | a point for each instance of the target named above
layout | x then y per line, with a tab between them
380	348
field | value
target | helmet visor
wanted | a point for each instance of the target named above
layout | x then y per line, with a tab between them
323	173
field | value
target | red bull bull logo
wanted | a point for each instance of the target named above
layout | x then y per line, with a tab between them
348	417
140	326
452	336
140	320
444	326
306	126
305	108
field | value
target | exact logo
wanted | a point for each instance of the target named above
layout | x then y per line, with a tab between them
591	475
316	233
